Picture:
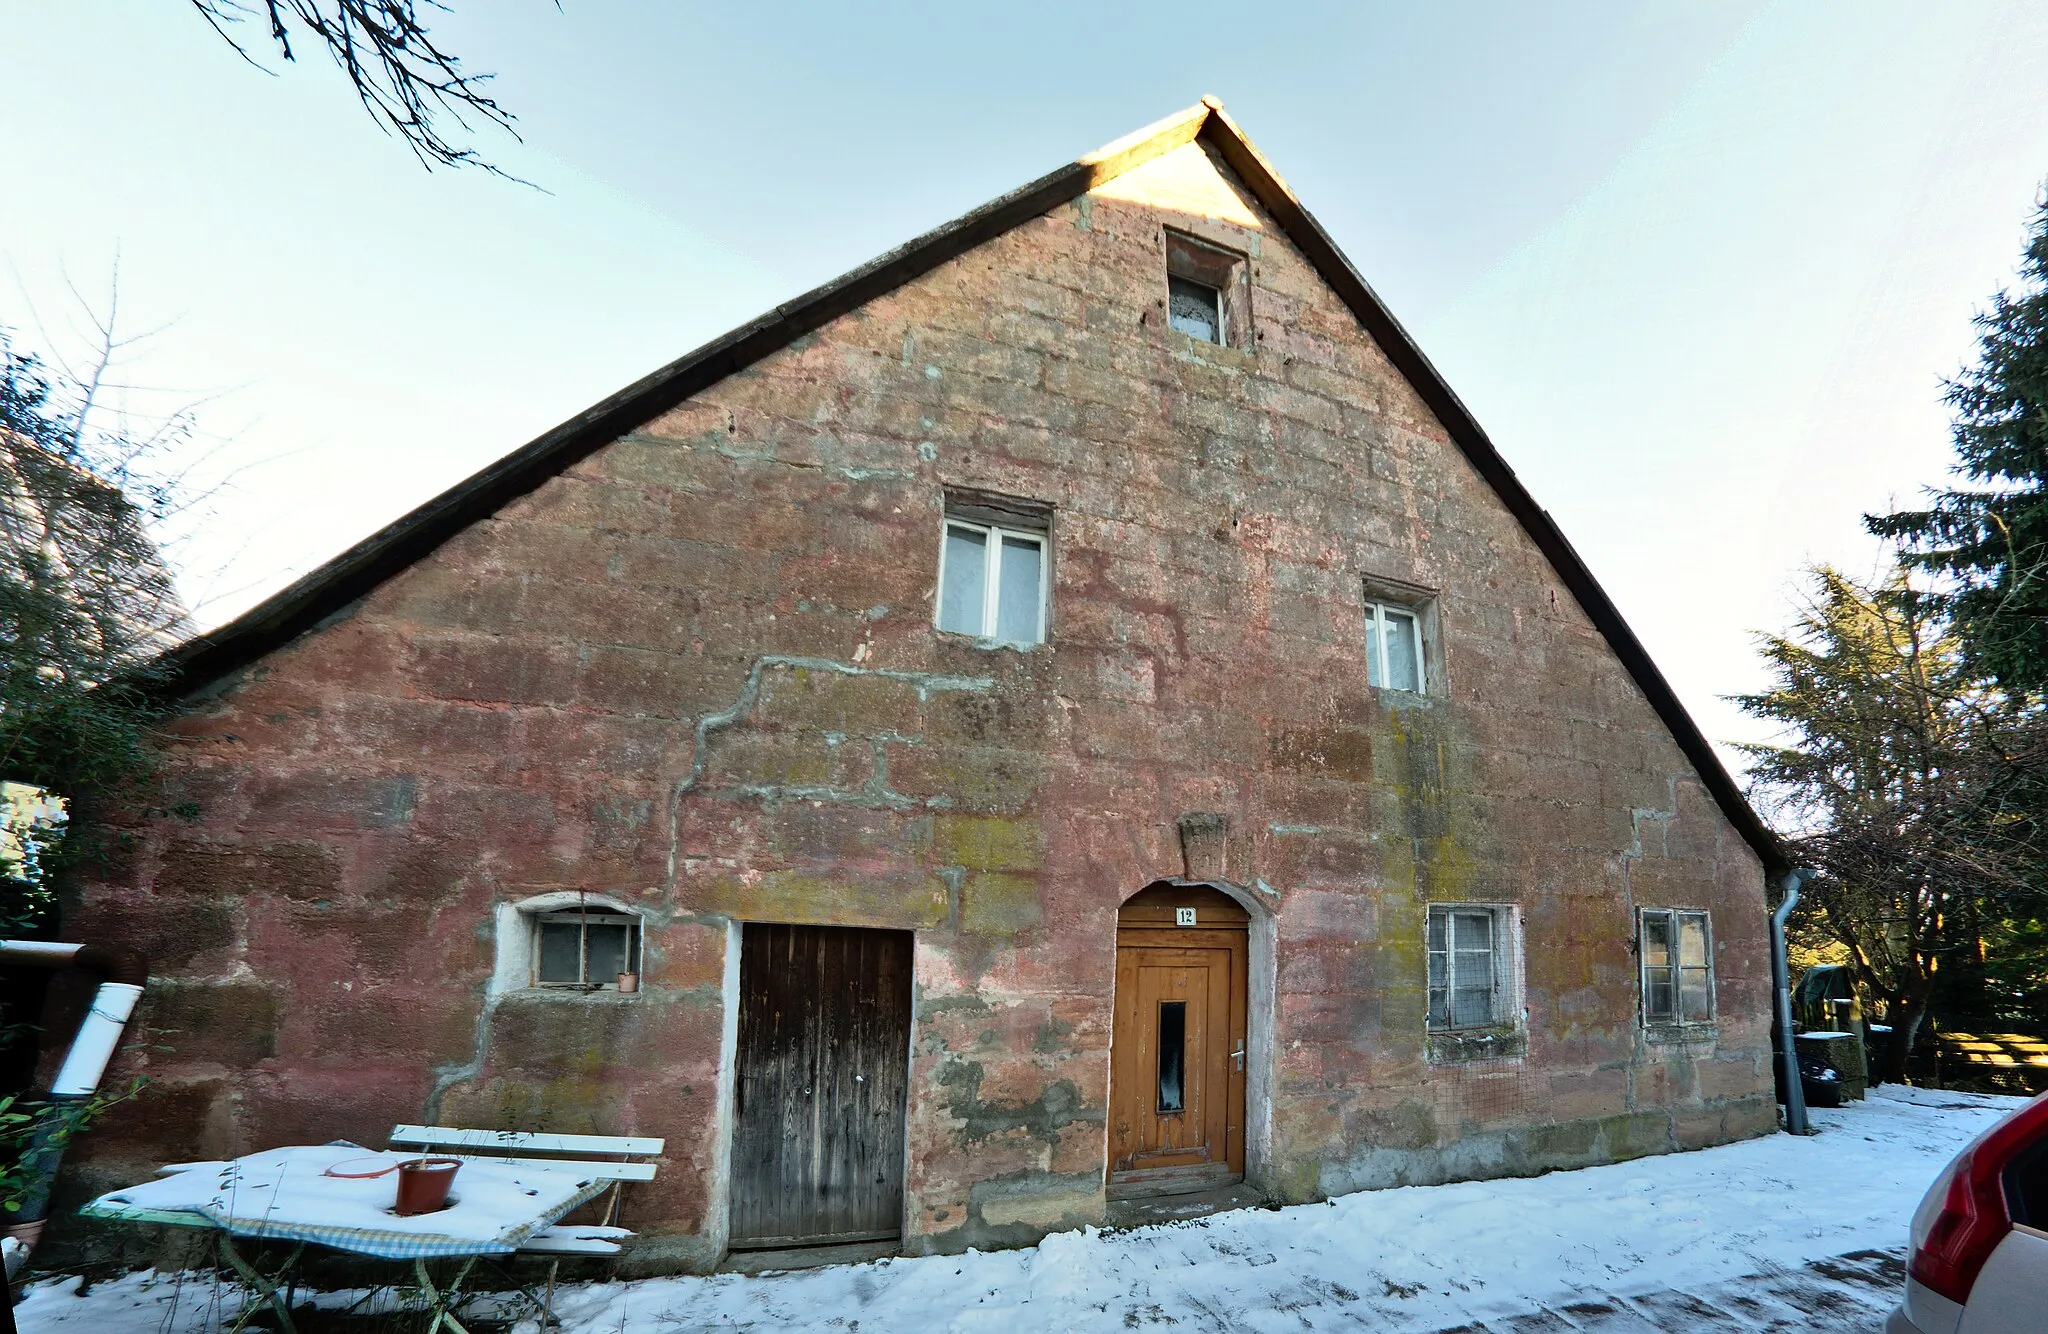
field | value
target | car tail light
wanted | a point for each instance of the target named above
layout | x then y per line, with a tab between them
1965	1214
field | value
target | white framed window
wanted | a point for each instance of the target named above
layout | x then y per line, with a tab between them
585	948
993	576
1471	966
1393	648
1678	966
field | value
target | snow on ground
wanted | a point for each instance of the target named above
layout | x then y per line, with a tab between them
1416	1258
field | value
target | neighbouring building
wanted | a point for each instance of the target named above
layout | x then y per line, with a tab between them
1073	708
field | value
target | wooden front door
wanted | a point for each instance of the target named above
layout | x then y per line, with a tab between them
819	1081
1176	1079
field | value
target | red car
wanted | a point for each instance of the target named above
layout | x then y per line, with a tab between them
1979	1260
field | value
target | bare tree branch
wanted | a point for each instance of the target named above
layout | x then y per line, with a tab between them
410	85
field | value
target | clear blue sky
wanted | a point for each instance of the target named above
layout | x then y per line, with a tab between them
1697	268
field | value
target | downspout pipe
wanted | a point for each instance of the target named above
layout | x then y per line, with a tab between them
123	973
1781	984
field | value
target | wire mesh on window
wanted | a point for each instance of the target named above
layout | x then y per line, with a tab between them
1463	969
1194	309
1660	990
561	953
588	948
1695	978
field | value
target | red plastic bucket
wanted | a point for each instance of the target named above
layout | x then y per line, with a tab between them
423	1185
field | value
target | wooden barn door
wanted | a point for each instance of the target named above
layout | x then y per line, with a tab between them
820	1077
1177	1056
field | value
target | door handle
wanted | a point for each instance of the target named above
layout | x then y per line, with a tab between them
1237	1058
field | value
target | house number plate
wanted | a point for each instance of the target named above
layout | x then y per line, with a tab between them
1183	916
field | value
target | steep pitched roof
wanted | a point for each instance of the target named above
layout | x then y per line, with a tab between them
330	589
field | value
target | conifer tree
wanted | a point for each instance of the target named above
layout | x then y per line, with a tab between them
1987	540
1906	783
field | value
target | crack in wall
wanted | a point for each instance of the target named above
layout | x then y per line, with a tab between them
874	794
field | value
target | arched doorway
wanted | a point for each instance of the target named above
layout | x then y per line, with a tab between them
1177	1049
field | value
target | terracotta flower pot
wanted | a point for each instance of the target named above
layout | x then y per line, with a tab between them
629	982
423	1185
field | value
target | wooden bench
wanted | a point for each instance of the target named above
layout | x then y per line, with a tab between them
615	1158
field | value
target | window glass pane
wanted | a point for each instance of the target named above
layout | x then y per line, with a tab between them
1404	667
1692	940
1439	972
1173	1043
1194	309
1373	675
1472	1005
1660	1000
1695	995
966	580
1018	597
560	952
1656	939
609	951
1475	931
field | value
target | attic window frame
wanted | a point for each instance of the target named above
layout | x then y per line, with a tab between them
1382	595
1226	272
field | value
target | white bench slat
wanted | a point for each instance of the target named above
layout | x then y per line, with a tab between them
587	1231
519	1139
582	1167
569	1246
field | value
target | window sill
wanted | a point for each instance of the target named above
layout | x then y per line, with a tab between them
597	995
984	642
1680	1035
1456	1046
1209	350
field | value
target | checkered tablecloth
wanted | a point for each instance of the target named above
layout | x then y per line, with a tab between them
284	1195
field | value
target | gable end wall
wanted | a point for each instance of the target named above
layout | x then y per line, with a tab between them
696	673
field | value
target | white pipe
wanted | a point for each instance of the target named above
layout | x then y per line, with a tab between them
97	1038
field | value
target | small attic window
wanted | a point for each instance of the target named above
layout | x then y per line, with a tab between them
1206	292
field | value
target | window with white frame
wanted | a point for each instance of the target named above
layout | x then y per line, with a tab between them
1393	648
1471	978
1678	966
584	947
993	573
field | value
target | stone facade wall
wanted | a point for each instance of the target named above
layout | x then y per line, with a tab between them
698	673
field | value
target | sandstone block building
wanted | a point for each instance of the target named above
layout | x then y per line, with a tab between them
1074	708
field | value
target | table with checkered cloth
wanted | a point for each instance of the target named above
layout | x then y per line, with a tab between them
284	1195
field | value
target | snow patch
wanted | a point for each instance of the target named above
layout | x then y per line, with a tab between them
1414	1258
